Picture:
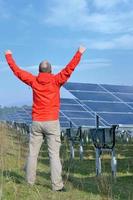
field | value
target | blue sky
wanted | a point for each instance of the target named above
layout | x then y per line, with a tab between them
53	30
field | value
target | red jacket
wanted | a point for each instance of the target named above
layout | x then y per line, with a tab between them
46	88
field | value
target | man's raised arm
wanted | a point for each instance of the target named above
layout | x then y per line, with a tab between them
64	74
23	75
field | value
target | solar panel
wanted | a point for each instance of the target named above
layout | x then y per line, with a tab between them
64	122
125	97
68	101
24	115
118	88
101	96
16	114
71	107
84	122
83	86
28	110
121	119
111	102
109	107
76	113
131	105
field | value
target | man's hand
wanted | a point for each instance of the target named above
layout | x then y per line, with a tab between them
82	49
8	52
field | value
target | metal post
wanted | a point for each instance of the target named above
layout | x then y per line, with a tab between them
72	149
87	138
81	150
81	144
113	163
98	161
97	121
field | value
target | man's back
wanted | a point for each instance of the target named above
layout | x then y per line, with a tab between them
46	87
46	98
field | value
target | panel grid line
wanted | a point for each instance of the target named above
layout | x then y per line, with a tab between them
116	97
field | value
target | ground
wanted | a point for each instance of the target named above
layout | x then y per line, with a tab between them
79	176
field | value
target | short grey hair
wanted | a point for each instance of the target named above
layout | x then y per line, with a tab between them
45	67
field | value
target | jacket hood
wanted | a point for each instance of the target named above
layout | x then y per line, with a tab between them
44	78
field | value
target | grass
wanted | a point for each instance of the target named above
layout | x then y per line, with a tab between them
79	176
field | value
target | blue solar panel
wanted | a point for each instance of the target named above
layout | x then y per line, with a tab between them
130	104
22	114
108	107
93	96
78	114
124	119
118	88
72	107
75	113
85	122
64	124
27	110
110	102
17	115
68	101
61	115
83	86
125	97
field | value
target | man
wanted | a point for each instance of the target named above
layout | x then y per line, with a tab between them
45	113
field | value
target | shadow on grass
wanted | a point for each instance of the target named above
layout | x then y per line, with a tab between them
44	161
123	187
44	175
105	186
13	176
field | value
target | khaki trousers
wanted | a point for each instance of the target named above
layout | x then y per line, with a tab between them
50	129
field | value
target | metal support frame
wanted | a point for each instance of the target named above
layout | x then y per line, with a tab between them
104	141
75	136
98	152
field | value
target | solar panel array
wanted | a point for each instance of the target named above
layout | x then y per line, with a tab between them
76	113
113	103
16	114
72	113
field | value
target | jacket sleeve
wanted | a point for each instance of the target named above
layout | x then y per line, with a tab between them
23	75
65	73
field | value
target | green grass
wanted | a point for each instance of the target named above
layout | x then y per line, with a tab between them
79	176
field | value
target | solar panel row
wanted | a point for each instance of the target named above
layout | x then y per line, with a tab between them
113	103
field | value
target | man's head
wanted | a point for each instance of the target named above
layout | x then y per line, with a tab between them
45	67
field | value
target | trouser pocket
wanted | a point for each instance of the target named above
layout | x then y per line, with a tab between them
58	141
